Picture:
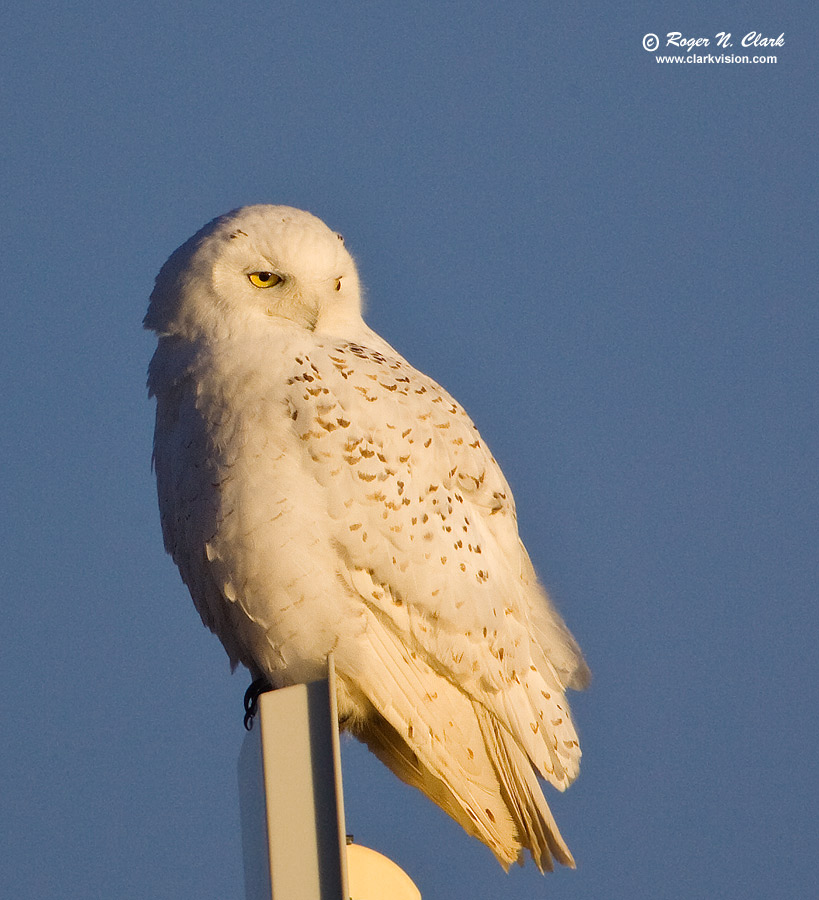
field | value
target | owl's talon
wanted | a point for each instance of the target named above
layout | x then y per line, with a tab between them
257	688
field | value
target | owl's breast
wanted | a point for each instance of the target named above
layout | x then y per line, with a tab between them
245	517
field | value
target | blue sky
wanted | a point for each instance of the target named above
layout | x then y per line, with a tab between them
610	262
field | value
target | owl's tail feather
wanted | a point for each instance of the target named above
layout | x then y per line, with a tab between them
436	738
387	744
523	796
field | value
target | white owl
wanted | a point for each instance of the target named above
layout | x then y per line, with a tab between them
319	495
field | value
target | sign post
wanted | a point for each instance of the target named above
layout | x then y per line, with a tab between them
292	808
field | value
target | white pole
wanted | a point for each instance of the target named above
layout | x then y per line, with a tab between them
292	808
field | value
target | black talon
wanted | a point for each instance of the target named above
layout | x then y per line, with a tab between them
257	688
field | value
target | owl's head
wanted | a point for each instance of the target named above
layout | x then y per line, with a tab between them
254	268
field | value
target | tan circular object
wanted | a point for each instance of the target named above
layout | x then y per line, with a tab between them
374	877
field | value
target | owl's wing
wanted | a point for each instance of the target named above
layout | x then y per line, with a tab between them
465	660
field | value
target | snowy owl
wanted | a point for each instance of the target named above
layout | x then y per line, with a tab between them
320	495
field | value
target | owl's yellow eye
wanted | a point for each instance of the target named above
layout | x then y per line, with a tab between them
264	279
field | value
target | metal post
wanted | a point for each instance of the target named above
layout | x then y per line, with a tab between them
291	800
